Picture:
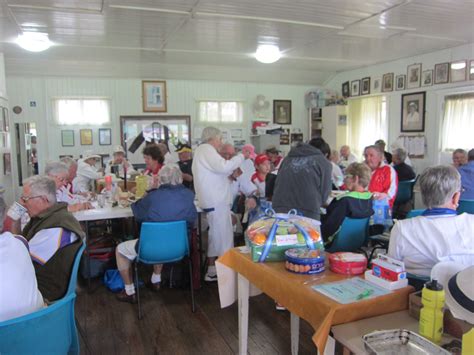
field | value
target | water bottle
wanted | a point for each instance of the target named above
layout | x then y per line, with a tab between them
431	315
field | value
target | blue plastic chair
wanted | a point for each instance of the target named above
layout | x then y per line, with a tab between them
351	236
161	243
415	213
466	206
51	330
405	191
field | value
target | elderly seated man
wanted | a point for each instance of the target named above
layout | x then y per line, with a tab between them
440	234
404	171
347	157
171	201
53	235
86	173
60	172
119	164
459	158
71	165
356	203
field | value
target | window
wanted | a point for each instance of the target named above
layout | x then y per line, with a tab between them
458	123
220	111
74	111
367	122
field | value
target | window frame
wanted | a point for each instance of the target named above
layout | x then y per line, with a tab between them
219	121
55	113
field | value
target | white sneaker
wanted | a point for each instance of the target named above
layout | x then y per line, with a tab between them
210	277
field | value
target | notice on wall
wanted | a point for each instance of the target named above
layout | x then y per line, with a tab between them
414	145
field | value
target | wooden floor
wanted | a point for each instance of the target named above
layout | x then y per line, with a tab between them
169	327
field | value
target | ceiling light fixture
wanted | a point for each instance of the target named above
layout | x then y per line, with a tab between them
34	41
267	53
458	65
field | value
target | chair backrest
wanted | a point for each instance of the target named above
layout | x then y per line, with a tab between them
466	206
75	269
51	330
415	213
405	191
163	242
351	235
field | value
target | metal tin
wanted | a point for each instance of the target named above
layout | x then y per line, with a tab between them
399	341
304	261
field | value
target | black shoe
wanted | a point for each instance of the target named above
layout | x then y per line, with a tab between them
155	287
123	297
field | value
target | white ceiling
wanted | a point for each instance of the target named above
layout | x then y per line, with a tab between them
317	37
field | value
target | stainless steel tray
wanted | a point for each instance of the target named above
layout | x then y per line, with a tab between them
399	342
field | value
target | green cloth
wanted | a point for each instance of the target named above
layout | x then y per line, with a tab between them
355	194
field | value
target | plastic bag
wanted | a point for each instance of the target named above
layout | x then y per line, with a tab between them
113	280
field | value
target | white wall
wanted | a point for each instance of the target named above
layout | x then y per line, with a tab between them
434	94
125	96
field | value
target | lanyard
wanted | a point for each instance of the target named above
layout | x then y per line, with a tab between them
439	212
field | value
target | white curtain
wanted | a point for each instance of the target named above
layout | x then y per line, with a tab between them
367	122
458	123
81	111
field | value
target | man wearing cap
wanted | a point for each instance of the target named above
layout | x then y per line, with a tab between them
185	163
86	173
119	162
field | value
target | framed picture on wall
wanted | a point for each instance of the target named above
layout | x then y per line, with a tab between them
458	71
282	111
296	137
285	137
365	86
387	82
441	73
105	136
86	136
345	89
414	76
67	138
471	70
413	112
7	164
154	96
427	78
377	85
355	88
400	82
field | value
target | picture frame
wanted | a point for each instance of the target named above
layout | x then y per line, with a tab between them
400	81
377	85
67	138
413	112
427	77
458	71
86	136
441	73
355	88
105	136
154	95
6	123
471	70
365	86
7	164
387	82
413	76
282	111
342	120
345	90
285	137
296	137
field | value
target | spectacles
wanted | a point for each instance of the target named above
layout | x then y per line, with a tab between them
25	199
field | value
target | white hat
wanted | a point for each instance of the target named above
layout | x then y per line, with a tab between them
118	149
457	281
88	154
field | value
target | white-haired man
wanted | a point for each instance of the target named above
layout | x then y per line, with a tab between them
86	173
171	201
347	157
119	164
211	172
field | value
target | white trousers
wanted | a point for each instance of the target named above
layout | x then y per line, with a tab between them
221	235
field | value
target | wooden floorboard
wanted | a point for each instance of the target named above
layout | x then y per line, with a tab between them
169	327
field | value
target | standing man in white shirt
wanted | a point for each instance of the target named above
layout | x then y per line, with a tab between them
211	172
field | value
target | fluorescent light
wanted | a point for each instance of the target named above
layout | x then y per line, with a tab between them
34	41
267	53
458	65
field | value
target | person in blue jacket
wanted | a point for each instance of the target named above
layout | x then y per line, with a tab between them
171	201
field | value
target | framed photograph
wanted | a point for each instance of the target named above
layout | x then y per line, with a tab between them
377	85
441	73
154	96
342	120
400	82
282	111
316	113
7	164
471	70
345	89
413	112
427	78
67	138
285	137
355	88
296	137
414	76
387	82
6	123
105	136
458	71
86	136
365	89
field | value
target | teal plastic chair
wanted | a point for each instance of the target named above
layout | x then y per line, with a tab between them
351	236
415	213
161	243
466	206
404	195
51	330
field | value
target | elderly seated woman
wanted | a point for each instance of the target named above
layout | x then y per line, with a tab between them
86	173
171	201
440	234
356	203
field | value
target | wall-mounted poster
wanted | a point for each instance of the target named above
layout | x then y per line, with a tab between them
7	164
427	78
355	88
282	111
414	76
67	138
458	71
345	89
285	137
365	86
105	136
400	82
387	82
377	86
441	73
86	136
154	96
413	112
